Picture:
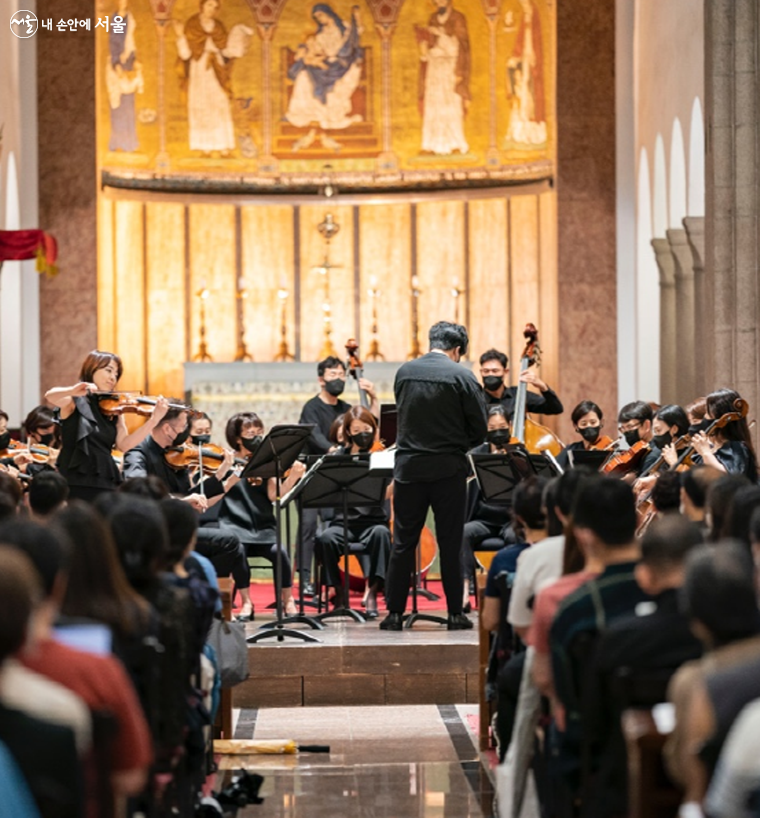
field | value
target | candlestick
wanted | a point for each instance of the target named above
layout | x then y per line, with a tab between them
242	353
203	354
416	350
374	353
328	229
283	353
456	292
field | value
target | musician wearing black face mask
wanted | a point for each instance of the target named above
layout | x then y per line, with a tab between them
322	410
367	526
486	520
42	428
494	369
635	425
588	422
200	429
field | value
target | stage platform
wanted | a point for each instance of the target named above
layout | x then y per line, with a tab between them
358	664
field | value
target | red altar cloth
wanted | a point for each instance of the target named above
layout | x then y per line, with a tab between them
19	245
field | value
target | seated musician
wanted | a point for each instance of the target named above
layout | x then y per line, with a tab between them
246	508
200	429
635	425
43	430
669	423
89	436
222	547
486	520
11	459
494	368
730	448
365	525
588	422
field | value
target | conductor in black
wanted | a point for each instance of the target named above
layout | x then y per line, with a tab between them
441	416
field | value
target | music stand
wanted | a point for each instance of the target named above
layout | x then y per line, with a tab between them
277	453
388	424
594	458
308	460
339	481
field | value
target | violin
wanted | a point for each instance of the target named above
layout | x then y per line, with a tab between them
741	407
355	369
190	456
623	462
603	443
534	436
134	403
38	452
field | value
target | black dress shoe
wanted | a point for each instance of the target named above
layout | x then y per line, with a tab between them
249	617
459	622
467	608
371	613
392	622
308	589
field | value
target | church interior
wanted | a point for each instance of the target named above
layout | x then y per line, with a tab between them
229	232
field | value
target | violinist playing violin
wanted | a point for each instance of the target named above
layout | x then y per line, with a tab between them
635	425
669	423
88	435
366	525
246	509
728	449
494	369
215	543
588	422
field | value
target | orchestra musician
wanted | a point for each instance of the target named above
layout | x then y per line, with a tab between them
365	525
494	369
728	449
88	435
486	520
222	547
441	416
635	424
669	423
588	422
200	429
323	410
246	508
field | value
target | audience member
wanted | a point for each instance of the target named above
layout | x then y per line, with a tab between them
719	497
718	596
694	487
743	504
48	492
45	752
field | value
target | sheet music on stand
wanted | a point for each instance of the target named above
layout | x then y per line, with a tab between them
593	458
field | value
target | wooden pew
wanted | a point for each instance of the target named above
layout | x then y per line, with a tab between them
223	723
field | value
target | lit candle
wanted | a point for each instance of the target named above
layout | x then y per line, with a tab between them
455	282
415	282
373	282
282	294
241	284
203	283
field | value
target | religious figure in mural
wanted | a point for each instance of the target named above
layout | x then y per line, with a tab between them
525	82
325	72
124	79
206	55
444	86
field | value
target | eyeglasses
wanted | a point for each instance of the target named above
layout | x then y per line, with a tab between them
628	427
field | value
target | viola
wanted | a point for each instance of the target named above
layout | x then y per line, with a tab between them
534	436
624	462
38	452
355	368
134	403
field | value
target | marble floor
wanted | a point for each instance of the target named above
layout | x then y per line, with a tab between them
415	761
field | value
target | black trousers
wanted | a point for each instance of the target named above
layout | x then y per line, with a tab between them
269	551
308	521
475	532
226	553
376	540
411	502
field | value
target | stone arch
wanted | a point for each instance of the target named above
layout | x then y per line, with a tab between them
647	290
696	204
677	179
659	190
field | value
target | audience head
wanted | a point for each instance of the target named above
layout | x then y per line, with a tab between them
48	492
718	593
449	338
604	515
567	488
666	493
139	531
635	422
8	506
719	497
150	487
554	527
97	586
664	549
754	538
694	486
182	529
19	594
740	511
10	486
46	548
527	503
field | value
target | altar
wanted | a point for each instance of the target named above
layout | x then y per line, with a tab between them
275	391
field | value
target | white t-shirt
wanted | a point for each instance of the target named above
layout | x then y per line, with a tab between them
537	565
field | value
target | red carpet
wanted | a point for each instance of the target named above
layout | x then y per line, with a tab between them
262	595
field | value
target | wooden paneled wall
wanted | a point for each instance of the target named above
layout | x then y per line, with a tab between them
155	255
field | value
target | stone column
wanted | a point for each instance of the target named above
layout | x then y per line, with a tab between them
668	353
685	358
695	233
732	203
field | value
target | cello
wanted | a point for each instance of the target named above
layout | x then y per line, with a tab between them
355	369
534	436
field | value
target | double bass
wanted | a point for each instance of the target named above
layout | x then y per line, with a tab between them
535	437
